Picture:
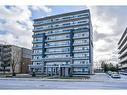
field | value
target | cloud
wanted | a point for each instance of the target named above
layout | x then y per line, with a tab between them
108	25
16	26
42	8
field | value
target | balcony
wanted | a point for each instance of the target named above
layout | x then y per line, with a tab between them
67	31
81	44
36	66
80	58
80	37
123	40
39	47
37	35
63	19
123	53
81	51
36	53
123	66
86	25
36	60
58	32
53	53
56	46
123	47
37	41
54	40
123	59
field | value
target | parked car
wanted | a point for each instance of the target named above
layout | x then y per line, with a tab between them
115	75
109	72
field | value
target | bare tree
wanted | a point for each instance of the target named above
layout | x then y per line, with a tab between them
15	59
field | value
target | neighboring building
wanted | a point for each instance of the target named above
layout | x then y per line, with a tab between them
63	44
23	59
122	47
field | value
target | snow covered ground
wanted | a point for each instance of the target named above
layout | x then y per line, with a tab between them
97	81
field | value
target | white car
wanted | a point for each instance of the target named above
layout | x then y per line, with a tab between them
115	75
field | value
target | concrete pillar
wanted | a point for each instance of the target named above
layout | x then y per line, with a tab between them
47	71
42	69
63	71
51	71
59	71
66	72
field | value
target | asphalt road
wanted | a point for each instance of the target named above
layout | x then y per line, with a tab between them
98	83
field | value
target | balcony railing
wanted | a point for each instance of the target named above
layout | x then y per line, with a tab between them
62	52
122	41
123	47
123	53
37	35
62	26
123	59
39	47
39	41
61	39
55	46
62	19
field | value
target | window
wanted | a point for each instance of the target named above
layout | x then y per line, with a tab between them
81	62
37	57
82	41
53	50
58	56
83	15
66	24
78	69
82	55
58	37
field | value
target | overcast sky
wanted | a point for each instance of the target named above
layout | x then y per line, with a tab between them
109	22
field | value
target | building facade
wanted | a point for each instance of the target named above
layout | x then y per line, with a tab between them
122	51
63	44
21	55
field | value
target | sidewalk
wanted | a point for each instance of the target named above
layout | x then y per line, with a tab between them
102	77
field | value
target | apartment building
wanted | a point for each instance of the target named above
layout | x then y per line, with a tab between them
21	55
63	44
122	51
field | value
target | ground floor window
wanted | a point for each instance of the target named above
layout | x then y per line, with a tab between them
77	69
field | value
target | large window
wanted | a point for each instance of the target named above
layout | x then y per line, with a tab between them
37	63
58	56
37	57
83	15
37	45
37	51
82	41
78	70
81	62
38	27
81	48
58	37
53	50
56	63
82	55
83	34
61	43
38	39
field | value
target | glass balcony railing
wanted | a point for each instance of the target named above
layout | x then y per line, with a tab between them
57	39
37	35
61	19
58	32
37	41
63	26
60	52
34	47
